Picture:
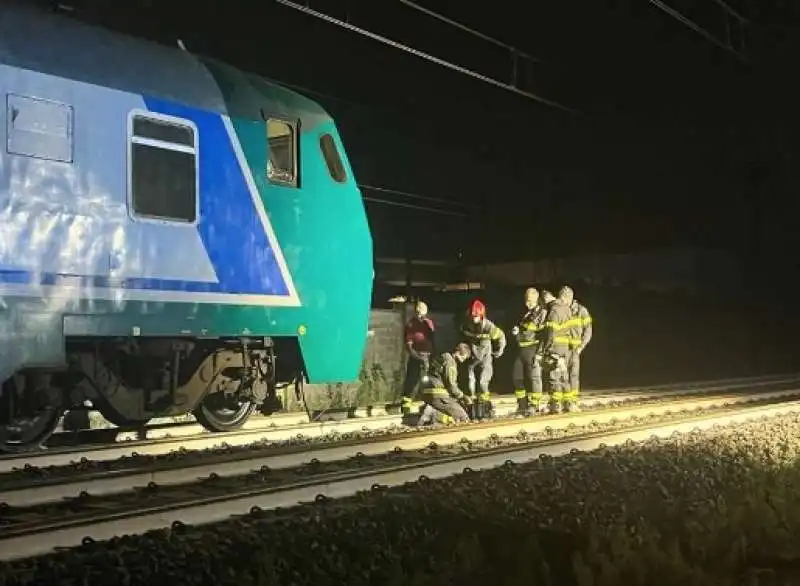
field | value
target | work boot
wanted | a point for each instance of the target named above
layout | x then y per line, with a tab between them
406	404
538	403
554	407
571	407
523	407
445	419
472	410
483	409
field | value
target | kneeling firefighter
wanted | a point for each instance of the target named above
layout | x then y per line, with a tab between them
439	388
555	349
486	342
527	370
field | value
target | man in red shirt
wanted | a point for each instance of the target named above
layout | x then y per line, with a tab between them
419	336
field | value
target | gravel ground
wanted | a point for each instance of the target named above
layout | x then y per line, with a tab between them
713	508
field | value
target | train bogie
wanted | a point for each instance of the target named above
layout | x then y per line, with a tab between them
175	235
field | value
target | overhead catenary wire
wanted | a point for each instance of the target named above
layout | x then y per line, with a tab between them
729	9
422	55
700	30
412	206
412	195
469	30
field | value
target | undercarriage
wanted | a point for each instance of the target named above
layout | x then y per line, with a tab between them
131	381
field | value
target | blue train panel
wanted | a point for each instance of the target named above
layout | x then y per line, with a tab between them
87	246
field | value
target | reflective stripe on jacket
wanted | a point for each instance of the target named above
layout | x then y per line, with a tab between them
555	338
530	326
442	376
482	336
580	326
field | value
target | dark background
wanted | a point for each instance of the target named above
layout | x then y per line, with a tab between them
675	141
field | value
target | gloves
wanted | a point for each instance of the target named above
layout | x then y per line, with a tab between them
538	358
497	354
514	330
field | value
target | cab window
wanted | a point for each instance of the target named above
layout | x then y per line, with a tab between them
332	159
282	152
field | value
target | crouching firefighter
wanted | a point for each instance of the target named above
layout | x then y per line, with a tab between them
486	342
554	349
439	388
527	370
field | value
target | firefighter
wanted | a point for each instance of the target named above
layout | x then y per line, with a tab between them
580	334
419	337
554	349
527	370
440	388
486	342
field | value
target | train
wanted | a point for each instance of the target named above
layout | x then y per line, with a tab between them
176	235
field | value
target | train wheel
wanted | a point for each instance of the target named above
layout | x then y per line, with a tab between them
27	419
220	412
29	432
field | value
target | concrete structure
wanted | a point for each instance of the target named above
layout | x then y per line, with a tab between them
684	269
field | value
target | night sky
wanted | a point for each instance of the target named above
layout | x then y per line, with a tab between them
674	140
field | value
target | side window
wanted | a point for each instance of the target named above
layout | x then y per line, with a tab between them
39	128
332	159
163	169
282	152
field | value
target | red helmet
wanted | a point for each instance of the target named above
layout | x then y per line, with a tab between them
477	309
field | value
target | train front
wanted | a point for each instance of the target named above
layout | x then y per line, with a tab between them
316	266
335	271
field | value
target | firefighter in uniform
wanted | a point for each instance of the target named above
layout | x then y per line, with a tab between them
527	370
486	342
440	388
555	350
419	335
580	334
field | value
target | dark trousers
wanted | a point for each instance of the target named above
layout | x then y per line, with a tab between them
557	378
416	368
527	373
482	364
527	376
574	370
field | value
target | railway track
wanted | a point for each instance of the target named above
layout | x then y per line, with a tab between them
166	438
23	488
102	431
38	523
98	423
